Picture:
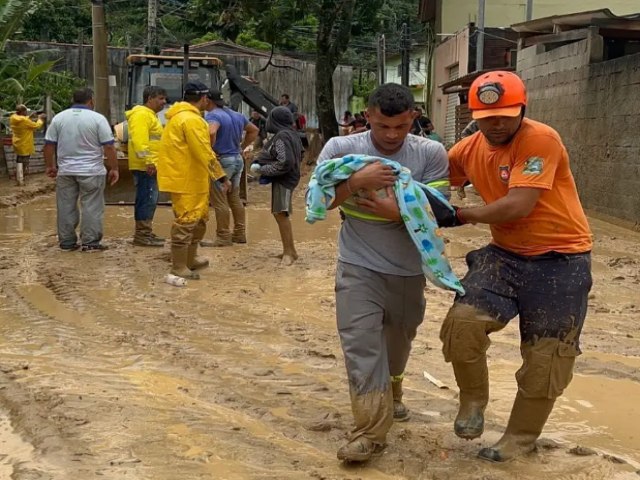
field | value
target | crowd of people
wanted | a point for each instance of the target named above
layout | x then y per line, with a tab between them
536	266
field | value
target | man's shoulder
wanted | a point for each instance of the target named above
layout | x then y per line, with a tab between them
426	147
532	128
357	140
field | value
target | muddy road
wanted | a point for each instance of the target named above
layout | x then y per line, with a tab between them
106	372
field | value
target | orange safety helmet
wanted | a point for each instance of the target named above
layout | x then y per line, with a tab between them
497	94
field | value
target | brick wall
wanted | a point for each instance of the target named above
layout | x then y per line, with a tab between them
596	109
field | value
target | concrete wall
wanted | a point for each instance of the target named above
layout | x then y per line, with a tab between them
454	14
596	109
453	51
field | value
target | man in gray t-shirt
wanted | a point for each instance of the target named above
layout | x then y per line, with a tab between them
379	281
76	143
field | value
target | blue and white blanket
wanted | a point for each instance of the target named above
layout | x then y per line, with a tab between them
413	204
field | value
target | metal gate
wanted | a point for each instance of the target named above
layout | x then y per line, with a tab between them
452	102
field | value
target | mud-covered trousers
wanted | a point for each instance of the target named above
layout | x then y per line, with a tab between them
378	317
191	213
548	292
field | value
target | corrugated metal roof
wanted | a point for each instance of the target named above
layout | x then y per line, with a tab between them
602	18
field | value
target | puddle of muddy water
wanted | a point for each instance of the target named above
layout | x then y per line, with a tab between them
39	217
595	411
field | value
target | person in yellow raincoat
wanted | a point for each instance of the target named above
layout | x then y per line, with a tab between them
22	126
145	133
186	162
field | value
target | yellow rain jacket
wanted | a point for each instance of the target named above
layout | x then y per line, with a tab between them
186	161
145	132
22	128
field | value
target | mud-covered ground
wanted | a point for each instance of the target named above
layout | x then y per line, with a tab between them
107	372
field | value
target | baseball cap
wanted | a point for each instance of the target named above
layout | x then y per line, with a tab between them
197	88
216	97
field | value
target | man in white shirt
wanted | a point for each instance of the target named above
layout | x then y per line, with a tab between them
79	139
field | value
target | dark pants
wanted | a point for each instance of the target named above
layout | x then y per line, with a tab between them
146	195
549	292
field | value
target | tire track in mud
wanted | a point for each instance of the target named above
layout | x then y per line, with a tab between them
97	321
210	391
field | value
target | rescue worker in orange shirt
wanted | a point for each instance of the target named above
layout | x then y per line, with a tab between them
537	266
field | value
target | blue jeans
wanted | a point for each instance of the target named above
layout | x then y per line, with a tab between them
232	166
90	192
146	195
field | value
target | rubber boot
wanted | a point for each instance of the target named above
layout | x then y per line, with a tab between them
239	217
473	381
179	256
400	411
181	238
143	236
193	261
527	419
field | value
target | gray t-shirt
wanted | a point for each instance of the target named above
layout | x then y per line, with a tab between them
386	247
79	134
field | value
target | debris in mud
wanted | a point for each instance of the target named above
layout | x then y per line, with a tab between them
547	444
321	354
263	372
582	451
614	459
329	421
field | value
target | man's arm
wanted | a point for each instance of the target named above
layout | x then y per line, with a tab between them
139	128
201	150
111	162
250	135
517	204
49	152
213	132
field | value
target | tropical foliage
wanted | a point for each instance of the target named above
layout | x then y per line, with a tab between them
28	78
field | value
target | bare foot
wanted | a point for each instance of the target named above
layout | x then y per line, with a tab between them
288	260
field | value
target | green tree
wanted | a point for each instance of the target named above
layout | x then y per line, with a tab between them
57	21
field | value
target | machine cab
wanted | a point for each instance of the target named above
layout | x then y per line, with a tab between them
166	72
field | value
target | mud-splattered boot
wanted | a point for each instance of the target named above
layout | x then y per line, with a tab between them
527	419
194	262
144	237
179	255
400	411
181	238
473	381
359	450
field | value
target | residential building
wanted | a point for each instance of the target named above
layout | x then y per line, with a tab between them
418	73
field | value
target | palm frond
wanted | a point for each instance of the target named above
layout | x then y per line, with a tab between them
11	14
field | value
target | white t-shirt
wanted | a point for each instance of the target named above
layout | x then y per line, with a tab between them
79	134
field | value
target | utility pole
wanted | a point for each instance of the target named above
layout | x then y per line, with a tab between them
185	65
529	10
100	59
382	62
81	60
480	37
405	45
152	27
